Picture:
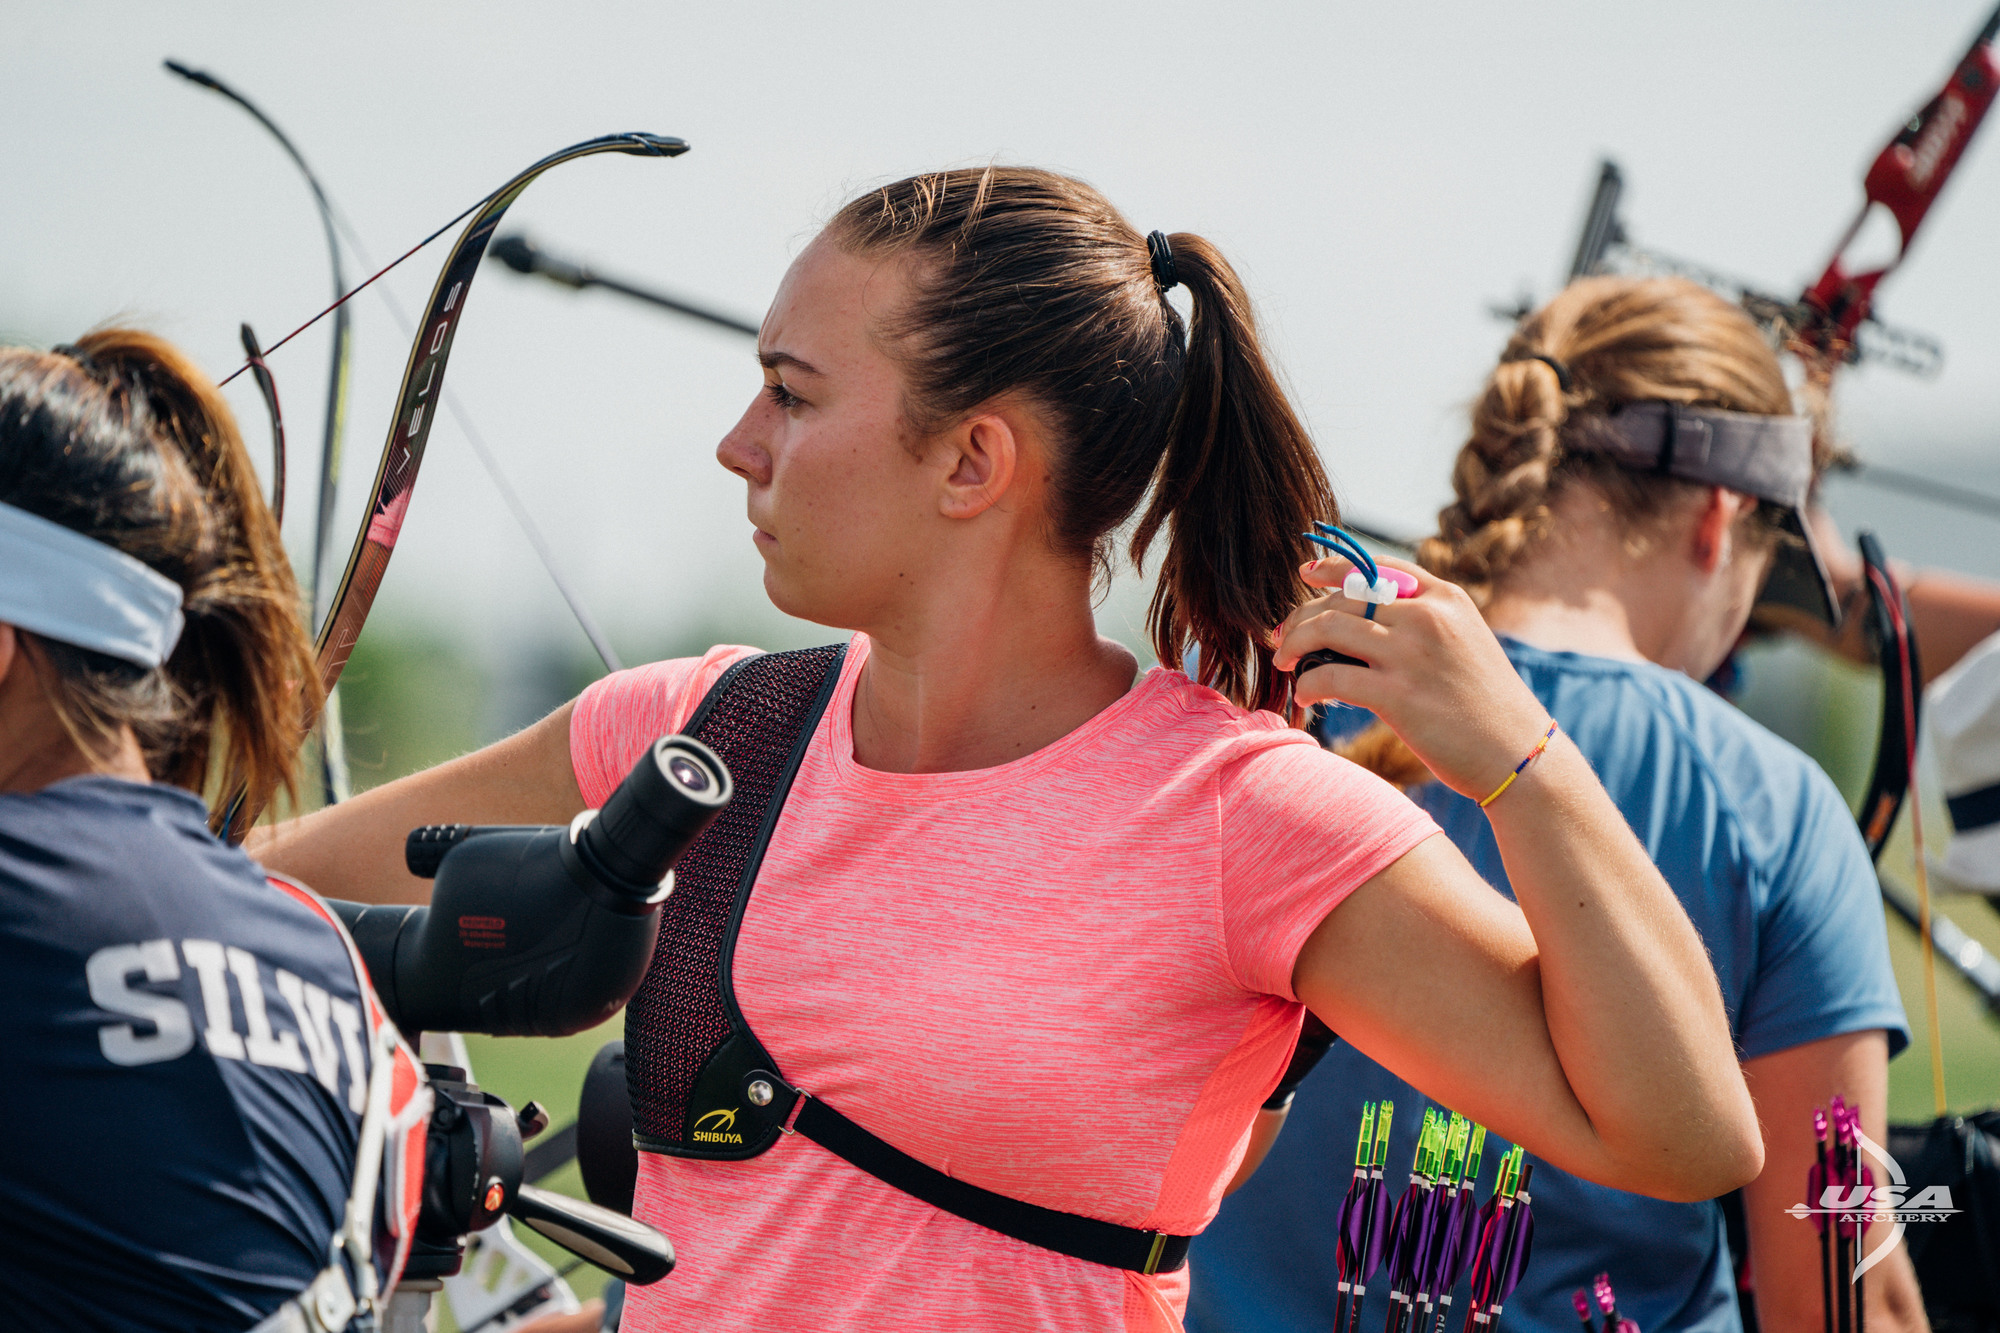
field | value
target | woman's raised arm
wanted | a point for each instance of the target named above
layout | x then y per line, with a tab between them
1585	1024
354	850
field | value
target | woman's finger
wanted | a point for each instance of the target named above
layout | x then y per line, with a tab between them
1329	623
1334	572
1326	572
1334	682
1384	613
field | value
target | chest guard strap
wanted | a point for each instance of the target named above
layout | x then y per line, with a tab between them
687	1045
701	1083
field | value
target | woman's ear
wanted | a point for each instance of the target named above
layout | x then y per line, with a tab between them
986	459
9	651
1716	516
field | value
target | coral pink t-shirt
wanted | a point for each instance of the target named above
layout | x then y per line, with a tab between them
1067	979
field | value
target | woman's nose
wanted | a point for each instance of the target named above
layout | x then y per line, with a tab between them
741	453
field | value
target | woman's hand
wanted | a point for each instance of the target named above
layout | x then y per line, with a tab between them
1587	1023
1435	674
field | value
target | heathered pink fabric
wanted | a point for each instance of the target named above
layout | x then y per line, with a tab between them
1067	979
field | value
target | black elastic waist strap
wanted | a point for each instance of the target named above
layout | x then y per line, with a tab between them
1066	1233
1975	809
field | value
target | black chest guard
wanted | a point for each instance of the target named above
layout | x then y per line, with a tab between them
690	1056
701	1083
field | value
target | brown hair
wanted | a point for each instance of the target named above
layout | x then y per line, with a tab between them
1621	340
1031	283
123	439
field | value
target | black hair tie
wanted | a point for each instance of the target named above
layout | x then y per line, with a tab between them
1561	370
92	369
1165	275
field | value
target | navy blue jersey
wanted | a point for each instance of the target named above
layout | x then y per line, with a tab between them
186	1056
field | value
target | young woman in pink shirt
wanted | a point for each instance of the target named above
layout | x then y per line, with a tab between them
1042	921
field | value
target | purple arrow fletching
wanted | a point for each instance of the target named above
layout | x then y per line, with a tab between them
1461	1234
1347	1224
1377	1230
1430	1251
1402	1238
1416	1235
1355	1232
1423	1238
1521	1223
1486	1256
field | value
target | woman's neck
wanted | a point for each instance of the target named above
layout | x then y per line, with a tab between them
1591	620
987	671
40	752
1580	589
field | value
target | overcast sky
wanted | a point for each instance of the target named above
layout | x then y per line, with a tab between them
1379	173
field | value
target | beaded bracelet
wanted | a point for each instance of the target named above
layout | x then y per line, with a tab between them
1533	755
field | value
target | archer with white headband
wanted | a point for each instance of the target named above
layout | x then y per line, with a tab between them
195	1052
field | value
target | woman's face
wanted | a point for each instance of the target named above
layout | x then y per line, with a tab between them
843	496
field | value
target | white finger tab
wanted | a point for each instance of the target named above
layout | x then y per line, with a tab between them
1381	592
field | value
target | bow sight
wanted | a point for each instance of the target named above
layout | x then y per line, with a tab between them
1833	319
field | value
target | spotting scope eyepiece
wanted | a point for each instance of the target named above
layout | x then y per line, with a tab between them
540	930
660	808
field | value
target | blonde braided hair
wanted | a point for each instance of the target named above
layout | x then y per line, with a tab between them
1617	341
1621	340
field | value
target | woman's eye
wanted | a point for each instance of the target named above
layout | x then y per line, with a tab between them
785	399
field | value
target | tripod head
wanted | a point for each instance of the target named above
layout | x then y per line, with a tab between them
531	931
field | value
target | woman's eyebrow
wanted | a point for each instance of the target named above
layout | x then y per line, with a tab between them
774	360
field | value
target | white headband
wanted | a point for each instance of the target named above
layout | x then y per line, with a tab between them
65	586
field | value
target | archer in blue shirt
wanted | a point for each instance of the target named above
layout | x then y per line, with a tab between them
186	1044
1633	481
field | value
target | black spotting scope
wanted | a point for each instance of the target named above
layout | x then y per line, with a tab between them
531	931
540	931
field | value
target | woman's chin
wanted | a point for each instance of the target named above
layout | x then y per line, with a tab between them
801	604
784	595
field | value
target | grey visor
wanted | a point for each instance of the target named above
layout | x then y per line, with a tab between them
1768	457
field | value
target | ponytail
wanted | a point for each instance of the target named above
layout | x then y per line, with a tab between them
123	439
1239	483
1032	283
